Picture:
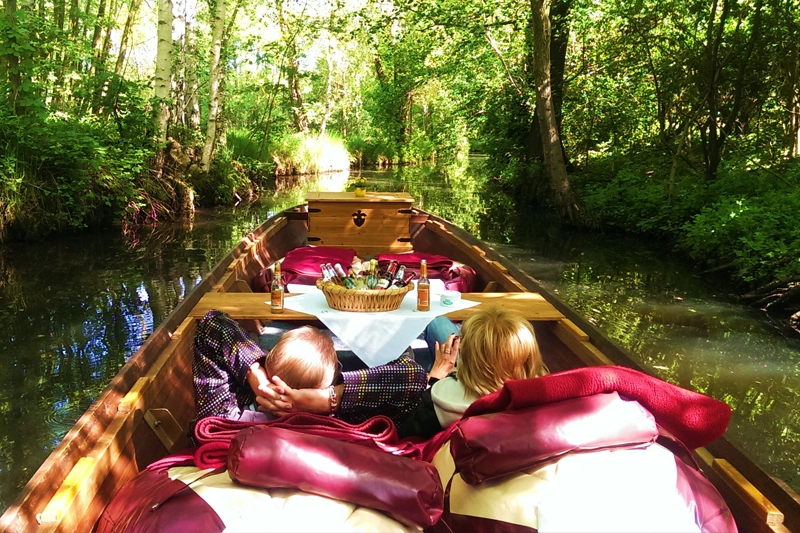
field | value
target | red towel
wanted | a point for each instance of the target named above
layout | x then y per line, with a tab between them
215	434
694	418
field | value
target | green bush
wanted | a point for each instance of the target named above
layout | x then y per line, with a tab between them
758	235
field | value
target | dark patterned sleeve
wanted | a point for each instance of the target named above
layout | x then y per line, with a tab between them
223	354
393	389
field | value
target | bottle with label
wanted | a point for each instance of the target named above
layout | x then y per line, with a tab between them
332	274
276	291
387	277
423	288
397	281
372	277
326	277
345	280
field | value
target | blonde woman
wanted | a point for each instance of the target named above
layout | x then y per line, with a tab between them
495	345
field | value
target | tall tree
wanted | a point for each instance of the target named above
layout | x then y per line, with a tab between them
163	74
215	76
555	166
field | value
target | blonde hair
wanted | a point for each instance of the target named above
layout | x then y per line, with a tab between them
304	358
496	345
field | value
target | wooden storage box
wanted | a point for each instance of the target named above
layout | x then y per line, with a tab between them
372	224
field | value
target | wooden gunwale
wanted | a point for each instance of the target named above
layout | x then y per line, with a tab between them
120	432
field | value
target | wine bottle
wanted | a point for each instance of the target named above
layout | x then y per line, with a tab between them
334	278
387	277
423	288
397	281
372	277
276	291
345	280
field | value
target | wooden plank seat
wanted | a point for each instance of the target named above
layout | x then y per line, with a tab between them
242	306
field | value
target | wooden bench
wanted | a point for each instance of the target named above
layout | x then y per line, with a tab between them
241	306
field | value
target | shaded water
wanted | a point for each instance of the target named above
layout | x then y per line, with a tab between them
76	307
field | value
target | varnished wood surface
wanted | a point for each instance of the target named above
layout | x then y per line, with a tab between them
317	196
255	305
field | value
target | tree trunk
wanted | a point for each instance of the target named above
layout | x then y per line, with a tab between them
192	85
215	74
12	60
133	10
97	50
163	68
548	125
326	116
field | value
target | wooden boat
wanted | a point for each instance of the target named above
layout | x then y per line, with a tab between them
144	413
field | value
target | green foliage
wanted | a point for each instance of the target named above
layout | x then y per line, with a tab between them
638	196
757	234
65	173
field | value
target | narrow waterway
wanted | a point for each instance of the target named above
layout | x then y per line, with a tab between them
76	307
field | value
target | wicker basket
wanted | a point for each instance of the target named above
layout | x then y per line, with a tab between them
363	301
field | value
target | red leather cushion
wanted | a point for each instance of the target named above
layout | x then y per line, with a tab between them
301	265
489	446
407	490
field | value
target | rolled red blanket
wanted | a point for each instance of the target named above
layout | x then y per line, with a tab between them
407	490
214	434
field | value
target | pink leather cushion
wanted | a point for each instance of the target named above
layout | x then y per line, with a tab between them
407	490
456	277
490	446
301	265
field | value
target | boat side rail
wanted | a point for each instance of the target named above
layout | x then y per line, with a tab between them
473	254
117	455
255	257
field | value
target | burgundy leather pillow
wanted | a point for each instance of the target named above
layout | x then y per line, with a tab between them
490	446
301	265
407	490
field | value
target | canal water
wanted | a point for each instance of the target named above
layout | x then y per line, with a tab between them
75	307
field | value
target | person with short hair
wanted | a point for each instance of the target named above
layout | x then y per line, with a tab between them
229	368
233	376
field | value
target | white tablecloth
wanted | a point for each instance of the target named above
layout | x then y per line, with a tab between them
376	338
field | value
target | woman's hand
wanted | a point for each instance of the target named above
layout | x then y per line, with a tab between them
282	399
446	357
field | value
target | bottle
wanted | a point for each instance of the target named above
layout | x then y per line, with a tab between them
326	277
397	281
334	278
276	291
387	277
372	277
344	279
423	288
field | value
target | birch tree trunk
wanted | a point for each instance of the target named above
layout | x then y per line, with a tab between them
215	74
192	85
548	125
163	68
